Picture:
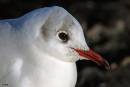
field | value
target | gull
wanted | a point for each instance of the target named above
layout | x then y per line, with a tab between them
40	48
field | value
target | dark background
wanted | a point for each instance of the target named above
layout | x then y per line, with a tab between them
106	25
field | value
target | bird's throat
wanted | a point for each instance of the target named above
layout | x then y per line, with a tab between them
56	72
47	71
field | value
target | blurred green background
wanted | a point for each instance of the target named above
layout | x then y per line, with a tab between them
106	25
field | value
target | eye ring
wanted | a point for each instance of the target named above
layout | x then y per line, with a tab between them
63	36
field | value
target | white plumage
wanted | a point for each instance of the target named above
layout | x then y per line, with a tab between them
37	49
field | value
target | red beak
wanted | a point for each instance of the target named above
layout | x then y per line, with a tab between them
93	56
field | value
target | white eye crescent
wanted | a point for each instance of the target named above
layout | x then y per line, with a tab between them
63	36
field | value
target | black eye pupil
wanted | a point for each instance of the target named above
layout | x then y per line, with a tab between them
63	36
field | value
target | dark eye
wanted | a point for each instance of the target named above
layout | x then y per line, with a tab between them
63	36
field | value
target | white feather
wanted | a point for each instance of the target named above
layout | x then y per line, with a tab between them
28	60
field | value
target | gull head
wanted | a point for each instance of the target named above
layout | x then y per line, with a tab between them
61	36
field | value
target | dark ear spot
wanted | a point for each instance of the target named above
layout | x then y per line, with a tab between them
44	32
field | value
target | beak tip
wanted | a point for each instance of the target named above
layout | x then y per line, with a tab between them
105	64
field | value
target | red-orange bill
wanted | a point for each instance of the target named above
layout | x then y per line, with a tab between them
93	56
